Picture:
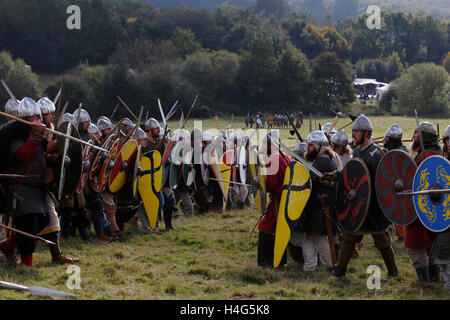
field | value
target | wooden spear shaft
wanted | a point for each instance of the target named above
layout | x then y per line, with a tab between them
27	234
6	115
129	110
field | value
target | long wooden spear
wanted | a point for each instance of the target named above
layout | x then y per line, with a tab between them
9	116
27	234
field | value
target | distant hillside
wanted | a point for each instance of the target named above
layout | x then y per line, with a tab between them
319	8
210	4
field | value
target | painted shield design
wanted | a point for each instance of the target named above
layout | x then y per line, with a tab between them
150	185
168	151
353	195
433	210
69	174
395	173
296	191
98	160
108	165
88	156
123	165
226	166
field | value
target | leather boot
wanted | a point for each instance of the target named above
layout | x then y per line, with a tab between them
423	274
346	254
389	260
339	272
435	273
55	251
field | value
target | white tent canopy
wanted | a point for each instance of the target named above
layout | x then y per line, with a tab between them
363	82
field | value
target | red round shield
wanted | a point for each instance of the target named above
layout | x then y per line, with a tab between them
353	195
395	173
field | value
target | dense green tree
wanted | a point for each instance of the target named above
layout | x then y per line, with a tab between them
394	67
331	82
185	42
293	78
20	79
256	76
312	42
446	63
424	87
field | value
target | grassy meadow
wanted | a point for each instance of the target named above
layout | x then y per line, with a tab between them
213	256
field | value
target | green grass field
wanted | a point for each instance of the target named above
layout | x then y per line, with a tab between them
209	257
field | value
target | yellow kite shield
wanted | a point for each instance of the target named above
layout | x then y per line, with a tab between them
123	165
225	168
149	185
296	191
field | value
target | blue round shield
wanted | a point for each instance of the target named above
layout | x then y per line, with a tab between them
433	210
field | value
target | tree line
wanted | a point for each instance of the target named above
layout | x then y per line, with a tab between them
237	59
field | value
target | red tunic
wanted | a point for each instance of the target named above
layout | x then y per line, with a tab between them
274	185
417	236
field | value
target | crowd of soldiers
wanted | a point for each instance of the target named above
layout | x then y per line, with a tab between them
29	203
329	151
276	121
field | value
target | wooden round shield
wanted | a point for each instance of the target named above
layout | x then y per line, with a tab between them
137	170
98	162
353	195
395	173
168	151
69	174
243	164
123	165
88	156
108	165
433	210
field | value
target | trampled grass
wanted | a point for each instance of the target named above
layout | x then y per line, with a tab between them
208	258
212	257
